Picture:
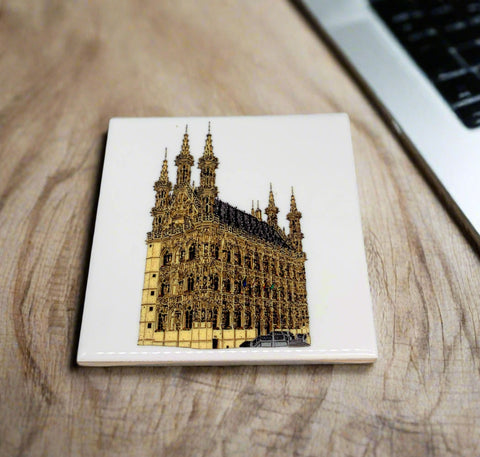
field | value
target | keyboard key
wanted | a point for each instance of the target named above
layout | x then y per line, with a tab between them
461	32
460	89
470	114
435	61
472	7
422	37
471	53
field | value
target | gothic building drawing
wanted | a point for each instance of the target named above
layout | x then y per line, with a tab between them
216	276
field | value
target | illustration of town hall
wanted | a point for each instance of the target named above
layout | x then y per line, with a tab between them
217	277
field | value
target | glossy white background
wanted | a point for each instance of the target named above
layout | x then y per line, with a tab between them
312	153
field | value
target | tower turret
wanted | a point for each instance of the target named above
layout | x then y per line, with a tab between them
258	212
162	195
208	163
184	162
163	186
271	210
295	233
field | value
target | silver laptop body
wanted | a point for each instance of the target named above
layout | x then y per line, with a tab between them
449	151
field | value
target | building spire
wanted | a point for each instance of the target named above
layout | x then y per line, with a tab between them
258	211
208	150
184	162
208	163
185	145
162	196
295	233
253	209
164	173
271	210
293	203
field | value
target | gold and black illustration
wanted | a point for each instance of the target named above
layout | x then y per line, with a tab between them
215	276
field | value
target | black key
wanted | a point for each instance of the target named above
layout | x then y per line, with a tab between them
436	61
388	9
442	16
416	25
470	114
460	89
408	15
461	32
422	37
472	7
471	53
475	20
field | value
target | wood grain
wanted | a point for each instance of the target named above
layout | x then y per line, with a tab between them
65	69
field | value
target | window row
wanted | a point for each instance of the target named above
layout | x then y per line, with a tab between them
238	286
222	317
266	265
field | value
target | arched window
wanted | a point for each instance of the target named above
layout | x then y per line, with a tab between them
161	321
237	258
190	283
165	289
256	261
215	282
215	318
238	286
188	318
248	319
225	317
226	285
215	251
238	318
191	252
206	204
167	258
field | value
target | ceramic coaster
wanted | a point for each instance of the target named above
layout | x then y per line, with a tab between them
231	240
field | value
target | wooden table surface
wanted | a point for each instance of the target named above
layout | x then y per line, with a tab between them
65	69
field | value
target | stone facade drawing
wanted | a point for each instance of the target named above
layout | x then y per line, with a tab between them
217	277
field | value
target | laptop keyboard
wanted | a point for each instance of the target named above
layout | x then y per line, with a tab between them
444	39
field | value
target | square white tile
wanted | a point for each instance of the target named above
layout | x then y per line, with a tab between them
133	315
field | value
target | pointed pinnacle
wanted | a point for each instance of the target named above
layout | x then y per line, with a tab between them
208	150
186	128
165	154
271	199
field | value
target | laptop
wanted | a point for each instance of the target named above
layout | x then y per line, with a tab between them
420	60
